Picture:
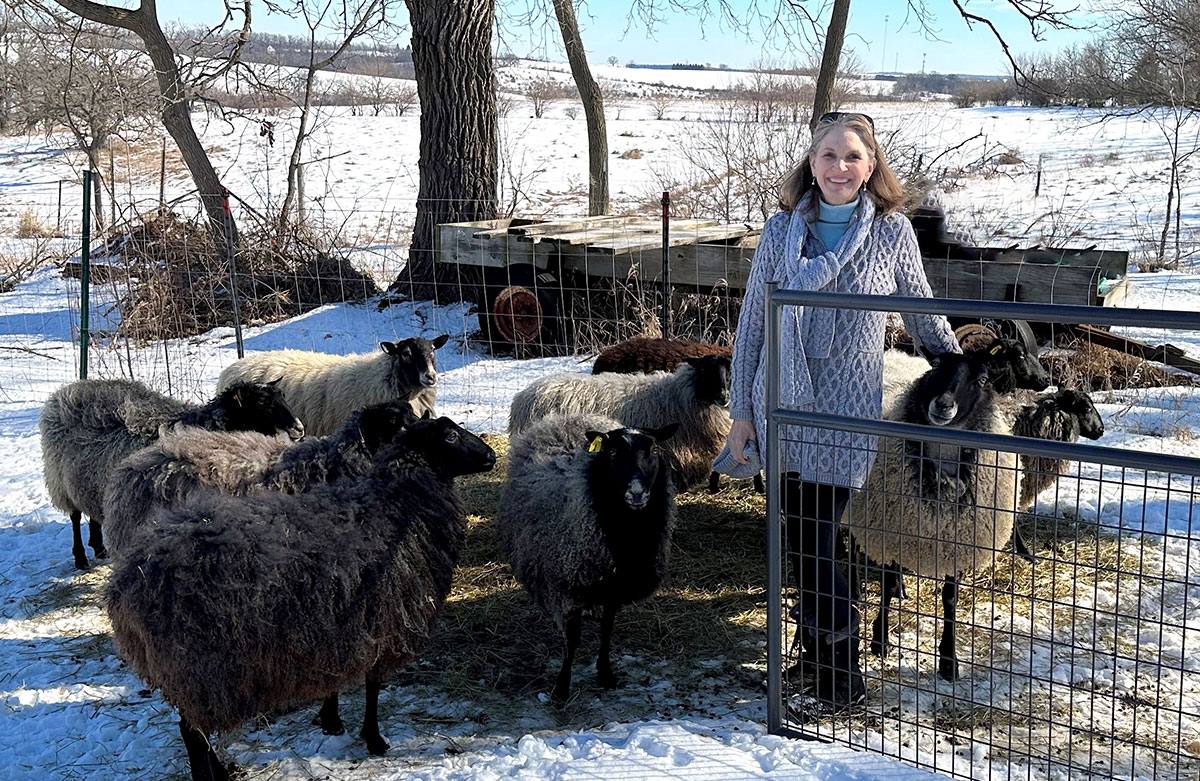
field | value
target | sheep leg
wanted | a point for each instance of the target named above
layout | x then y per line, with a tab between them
571	629
893	588
96	539
947	659
604	671
1021	547
759	487
376	745
329	718
714	482
81	561
204	762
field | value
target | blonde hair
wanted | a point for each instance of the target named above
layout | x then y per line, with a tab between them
883	187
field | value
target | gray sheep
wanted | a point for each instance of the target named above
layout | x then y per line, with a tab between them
1062	417
323	389
239	605
586	518
938	510
695	396
89	426
168	472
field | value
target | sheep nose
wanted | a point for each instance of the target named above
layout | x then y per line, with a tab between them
296	432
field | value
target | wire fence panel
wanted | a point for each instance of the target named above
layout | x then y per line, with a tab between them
1078	660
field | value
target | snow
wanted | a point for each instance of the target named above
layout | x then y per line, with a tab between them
72	710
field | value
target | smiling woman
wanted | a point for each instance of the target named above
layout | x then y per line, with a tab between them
839	230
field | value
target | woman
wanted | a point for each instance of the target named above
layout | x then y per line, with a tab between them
839	229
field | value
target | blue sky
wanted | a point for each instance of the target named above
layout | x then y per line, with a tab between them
898	45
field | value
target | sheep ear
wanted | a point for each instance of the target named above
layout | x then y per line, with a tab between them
438	341
663	433
428	415
276	381
935	361
388	347
596	441
996	348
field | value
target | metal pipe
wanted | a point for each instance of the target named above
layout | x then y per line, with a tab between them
1095	454
1008	310
774	524
666	264
85	275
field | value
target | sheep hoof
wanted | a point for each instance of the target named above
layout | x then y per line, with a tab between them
560	695
81	561
880	647
330	725
948	669
606	678
101	552
376	745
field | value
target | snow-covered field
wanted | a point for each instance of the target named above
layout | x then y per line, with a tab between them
1105	608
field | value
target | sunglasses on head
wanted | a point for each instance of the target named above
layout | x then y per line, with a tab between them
834	116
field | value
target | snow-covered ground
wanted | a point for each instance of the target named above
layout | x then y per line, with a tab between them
73	711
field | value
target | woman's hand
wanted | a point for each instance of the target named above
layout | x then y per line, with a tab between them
741	433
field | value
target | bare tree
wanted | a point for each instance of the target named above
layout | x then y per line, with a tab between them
457	165
660	102
175	92
354	20
835	36
541	93
93	87
593	107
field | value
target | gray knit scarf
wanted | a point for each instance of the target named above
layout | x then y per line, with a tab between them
797	272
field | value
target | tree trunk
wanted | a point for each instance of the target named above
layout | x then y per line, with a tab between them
143	22
452	58
835	36
593	107
302	131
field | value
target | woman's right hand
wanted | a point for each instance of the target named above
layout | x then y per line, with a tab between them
741	433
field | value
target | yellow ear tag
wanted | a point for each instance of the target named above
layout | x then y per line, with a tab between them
595	445
996	350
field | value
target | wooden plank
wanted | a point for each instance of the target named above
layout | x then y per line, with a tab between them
997	280
713	233
702	266
1163	353
563	226
459	244
585	239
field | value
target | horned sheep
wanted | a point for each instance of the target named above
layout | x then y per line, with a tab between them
307	592
695	396
89	426
919	492
323	389
1062	417
586	518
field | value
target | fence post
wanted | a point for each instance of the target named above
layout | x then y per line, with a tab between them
85	274
231	260
58	218
666	264
774	520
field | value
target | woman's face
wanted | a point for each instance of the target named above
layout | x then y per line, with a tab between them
841	166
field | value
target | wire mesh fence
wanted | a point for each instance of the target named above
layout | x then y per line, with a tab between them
986	634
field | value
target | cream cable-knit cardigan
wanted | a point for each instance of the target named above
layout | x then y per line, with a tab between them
832	359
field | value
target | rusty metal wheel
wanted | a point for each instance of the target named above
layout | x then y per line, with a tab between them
518	314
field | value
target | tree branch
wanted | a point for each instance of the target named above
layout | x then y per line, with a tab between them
126	18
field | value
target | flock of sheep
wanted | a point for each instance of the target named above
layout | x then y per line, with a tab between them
297	534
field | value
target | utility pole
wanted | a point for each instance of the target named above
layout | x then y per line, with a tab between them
883	57
922	63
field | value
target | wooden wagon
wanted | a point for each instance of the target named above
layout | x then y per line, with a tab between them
533	268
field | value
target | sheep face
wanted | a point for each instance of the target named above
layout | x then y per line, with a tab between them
1080	406
627	462
380	424
949	392
414	363
256	406
1010	360
447	447
712	379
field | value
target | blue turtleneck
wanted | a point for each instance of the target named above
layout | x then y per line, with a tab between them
832	221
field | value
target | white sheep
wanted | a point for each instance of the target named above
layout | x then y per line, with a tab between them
939	510
324	389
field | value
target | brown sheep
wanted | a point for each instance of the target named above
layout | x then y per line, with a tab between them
644	355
